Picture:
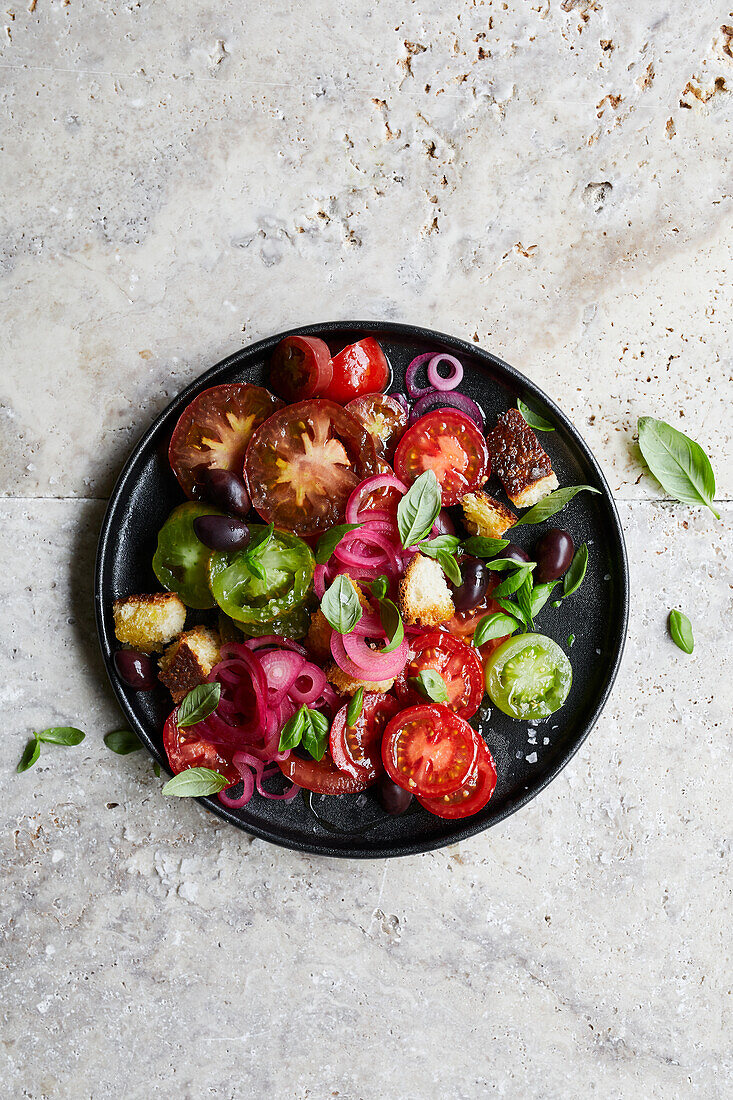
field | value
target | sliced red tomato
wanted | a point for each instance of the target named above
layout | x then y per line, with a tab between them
383	417
429	750
357	749
320	776
449	444
464	623
216	427
457	662
303	464
186	749
473	795
300	368
360	368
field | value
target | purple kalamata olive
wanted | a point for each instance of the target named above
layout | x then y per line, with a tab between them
223	488
553	554
391	797
515	553
474	584
221	532
135	669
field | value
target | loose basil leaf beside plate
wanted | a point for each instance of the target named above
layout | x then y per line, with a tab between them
678	463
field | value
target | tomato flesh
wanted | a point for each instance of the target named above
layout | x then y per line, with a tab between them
384	419
359	369
428	750
473	795
321	776
357	749
300	368
528	677
449	444
457	662
303	464
216	427
186	749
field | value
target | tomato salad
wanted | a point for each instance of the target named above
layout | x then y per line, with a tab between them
356	625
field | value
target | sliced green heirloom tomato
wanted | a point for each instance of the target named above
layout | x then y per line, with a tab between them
528	676
288	565
181	562
294	625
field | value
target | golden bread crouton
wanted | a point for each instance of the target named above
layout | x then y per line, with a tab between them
425	597
524	468
188	662
345	685
486	516
318	638
149	622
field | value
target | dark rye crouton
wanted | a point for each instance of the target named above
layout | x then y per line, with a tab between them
523	467
188	662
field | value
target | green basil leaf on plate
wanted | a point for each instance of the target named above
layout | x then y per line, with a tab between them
315	733
340	605
482	547
553	504
678	463
514	581
540	595
524	600
198	704
195	783
394	628
354	709
495	625
418	509
379	587
431	685
534	419
328	542
573	579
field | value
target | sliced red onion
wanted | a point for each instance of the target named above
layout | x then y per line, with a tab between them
363	489
249	789
401	401
308	686
281	668
437	400
274	640
352	654
444	384
411	373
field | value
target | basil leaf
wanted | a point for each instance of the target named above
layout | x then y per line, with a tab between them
430	684
340	605
512	609
524	600
418	509
257	569
122	742
292	731
393	626
534	419
30	754
513	582
678	463
196	782
198	704
315	733
553	503
257	549
493	626
482	547
354	709
571	641
556	603
540	595
156	769
502	564
680	628
440	542
61	735
450	566
573	579
327	543
379	587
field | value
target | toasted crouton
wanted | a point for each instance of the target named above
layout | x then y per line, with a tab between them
149	622
318	638
425	598
346	685
188	662
524	468
486	516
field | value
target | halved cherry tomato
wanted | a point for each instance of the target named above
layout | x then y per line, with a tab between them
357	749
303	464
216	427
451	445
429	750
384	419
321	776
457	662
300	368
186	749
473	795
360	368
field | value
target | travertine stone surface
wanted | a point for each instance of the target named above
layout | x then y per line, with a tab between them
552	180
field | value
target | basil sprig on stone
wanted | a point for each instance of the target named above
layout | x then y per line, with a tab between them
196	782
418	509
680	629
340	605
678	463
55	735
198	704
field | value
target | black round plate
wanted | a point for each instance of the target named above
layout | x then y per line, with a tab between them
527	758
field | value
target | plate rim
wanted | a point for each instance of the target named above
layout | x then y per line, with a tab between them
255	351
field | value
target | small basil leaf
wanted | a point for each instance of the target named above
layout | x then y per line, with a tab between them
680	628
257	569
494	626
440	542
392	623
524	600
327	543
156	769
418	509
571	641
553	503
450	567
122	742
292	731
556	603
30	754
513	582
573	579
678	463
354	709
540	595
502	564
379	587
340	605
198	704
482	547
257	549
196	782
534	419
315	734
430	684
61	735
512	609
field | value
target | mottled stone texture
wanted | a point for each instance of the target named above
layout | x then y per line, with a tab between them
551	180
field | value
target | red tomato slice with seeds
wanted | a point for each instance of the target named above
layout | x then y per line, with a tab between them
320	776
457	662
303	464
357	749
300	368
216	427
186	749
384	419
449	444
473	795
429	750
360	368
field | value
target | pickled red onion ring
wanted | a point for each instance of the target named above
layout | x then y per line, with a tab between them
411	373
369	485
352	654
454	378
437	400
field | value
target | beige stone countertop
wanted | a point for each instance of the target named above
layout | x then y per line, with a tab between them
549	179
